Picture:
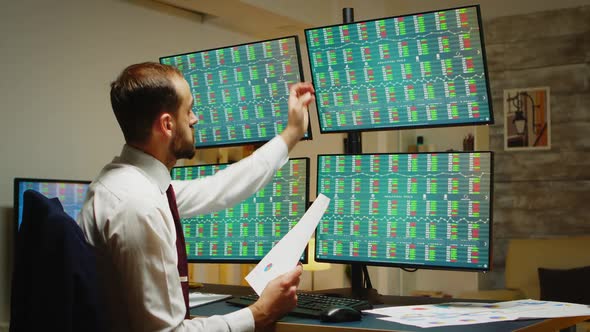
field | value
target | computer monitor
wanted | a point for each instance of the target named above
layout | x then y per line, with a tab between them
241	92
246	232
414	210
71	194
412	71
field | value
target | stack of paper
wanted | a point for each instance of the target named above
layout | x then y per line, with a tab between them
196	299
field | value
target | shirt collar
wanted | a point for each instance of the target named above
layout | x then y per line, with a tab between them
155	170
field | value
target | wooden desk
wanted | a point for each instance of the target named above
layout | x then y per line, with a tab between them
371	323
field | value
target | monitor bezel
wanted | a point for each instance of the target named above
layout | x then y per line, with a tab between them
301	75
418	266
16	197
393	127
254	261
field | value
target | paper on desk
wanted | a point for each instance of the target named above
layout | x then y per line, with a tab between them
283	257
463	313
543	309
437	315
196	299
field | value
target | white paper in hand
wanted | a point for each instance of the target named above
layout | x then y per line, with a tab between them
283	257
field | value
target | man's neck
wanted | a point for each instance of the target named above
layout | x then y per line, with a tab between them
163	155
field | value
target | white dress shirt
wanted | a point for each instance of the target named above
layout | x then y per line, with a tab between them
126	217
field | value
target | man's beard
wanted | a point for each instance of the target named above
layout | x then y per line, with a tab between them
182	148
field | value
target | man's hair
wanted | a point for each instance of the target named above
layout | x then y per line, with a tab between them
140	94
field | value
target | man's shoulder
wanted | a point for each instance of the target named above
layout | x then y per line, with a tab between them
123	181
120	189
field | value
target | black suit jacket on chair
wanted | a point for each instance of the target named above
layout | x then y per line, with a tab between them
54	282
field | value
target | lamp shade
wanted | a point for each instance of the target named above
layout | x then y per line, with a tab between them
312	265
519	122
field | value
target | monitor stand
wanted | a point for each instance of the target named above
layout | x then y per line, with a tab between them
358	290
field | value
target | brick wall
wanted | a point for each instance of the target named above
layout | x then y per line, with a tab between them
544	193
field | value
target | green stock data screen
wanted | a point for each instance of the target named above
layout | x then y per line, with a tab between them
246	232
425	210
241	92
421	70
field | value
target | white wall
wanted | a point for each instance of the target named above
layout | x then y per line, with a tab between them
58	58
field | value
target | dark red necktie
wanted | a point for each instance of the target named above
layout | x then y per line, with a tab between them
180	247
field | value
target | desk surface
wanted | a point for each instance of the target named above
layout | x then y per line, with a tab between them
371	323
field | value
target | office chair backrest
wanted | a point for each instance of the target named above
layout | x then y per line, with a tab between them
54	282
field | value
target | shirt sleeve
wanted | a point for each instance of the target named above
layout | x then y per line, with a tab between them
237	321
233	184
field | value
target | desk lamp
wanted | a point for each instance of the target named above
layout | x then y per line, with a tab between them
312	265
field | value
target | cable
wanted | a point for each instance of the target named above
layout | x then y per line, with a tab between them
368	284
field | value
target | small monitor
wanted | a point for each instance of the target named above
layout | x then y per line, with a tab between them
241	92
245	233
419	210
71	194
412	71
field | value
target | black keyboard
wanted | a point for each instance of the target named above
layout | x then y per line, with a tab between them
309	304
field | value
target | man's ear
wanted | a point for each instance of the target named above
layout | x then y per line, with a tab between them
165	124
